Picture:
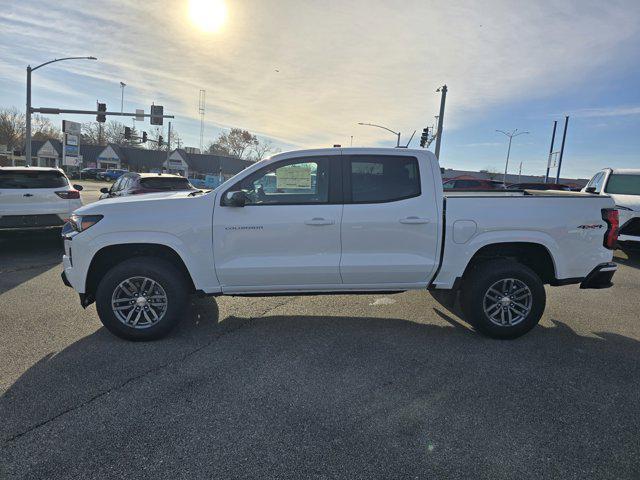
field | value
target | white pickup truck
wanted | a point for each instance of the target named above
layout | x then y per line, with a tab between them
337	220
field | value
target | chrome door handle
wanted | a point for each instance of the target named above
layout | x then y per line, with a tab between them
414	220
319	221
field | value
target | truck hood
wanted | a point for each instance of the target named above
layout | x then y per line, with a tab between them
137	202
629	201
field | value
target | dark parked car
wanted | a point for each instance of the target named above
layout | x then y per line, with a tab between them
91	173
472	184
539	186
132	183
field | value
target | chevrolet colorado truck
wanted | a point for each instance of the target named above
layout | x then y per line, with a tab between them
359	220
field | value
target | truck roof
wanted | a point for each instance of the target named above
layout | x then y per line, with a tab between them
625	171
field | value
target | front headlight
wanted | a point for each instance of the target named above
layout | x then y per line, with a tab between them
80	223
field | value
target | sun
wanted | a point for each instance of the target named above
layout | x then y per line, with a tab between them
208	15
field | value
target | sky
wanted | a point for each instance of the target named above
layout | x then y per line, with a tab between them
303	73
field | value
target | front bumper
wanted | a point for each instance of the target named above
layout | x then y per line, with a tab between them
600	277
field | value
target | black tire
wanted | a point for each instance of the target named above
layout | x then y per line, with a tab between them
161	271
481	278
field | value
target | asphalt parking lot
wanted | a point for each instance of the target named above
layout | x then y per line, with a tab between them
370	386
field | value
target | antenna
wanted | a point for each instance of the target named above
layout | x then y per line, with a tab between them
201	105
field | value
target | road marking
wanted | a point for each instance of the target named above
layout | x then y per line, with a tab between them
383	301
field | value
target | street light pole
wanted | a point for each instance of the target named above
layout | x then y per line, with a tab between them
384	128
28	112
515	133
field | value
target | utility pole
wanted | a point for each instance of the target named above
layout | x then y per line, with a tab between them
122	85
520	173
443	99
30	110
564	137
169	142
515	133
553	139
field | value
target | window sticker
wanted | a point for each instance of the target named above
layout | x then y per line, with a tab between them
293	177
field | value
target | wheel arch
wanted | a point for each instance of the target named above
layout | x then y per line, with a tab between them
111	255
534	255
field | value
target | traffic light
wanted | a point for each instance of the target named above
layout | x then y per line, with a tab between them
160	140
102	107
144	137
156	114
424	138
127	133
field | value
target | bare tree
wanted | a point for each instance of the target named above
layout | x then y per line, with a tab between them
261	149
491	171
94	133
43	129
236	143
12	128
242	144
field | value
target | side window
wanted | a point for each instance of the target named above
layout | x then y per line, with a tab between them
598	181
290	182
116	186
448	185
383	178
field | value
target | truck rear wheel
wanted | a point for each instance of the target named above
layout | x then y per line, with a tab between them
141	298
503	298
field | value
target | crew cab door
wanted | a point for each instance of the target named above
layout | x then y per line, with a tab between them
389	221
287	235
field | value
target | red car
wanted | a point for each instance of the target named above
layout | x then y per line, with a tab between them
472	184
133	183
539	186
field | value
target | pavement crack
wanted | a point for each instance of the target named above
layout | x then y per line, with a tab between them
97	396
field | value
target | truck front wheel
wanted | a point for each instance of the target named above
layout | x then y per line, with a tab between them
502	298
141	298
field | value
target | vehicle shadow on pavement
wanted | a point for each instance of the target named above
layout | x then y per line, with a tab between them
354	394
25	255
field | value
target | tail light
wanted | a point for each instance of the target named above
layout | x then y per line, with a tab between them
610	215
69	194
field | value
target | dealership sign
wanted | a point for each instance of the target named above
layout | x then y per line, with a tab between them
71	143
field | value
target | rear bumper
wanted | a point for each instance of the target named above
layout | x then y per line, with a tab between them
32	222
600	277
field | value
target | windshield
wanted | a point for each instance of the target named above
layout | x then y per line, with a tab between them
33	179
623	184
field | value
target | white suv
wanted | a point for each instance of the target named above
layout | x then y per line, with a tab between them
36	198
623	185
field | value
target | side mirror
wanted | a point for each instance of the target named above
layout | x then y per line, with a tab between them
77	187
104	190
590	189
235	199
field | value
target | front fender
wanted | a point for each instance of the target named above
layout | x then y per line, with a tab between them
196	255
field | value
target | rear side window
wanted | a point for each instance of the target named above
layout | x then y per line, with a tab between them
383	178
165	183
32	179
623	184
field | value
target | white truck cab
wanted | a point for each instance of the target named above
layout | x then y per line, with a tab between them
337	220
623	186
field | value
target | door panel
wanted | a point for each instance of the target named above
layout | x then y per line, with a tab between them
288	234
388	241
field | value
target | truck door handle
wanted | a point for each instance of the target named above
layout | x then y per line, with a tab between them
319	221
414	220
28	195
